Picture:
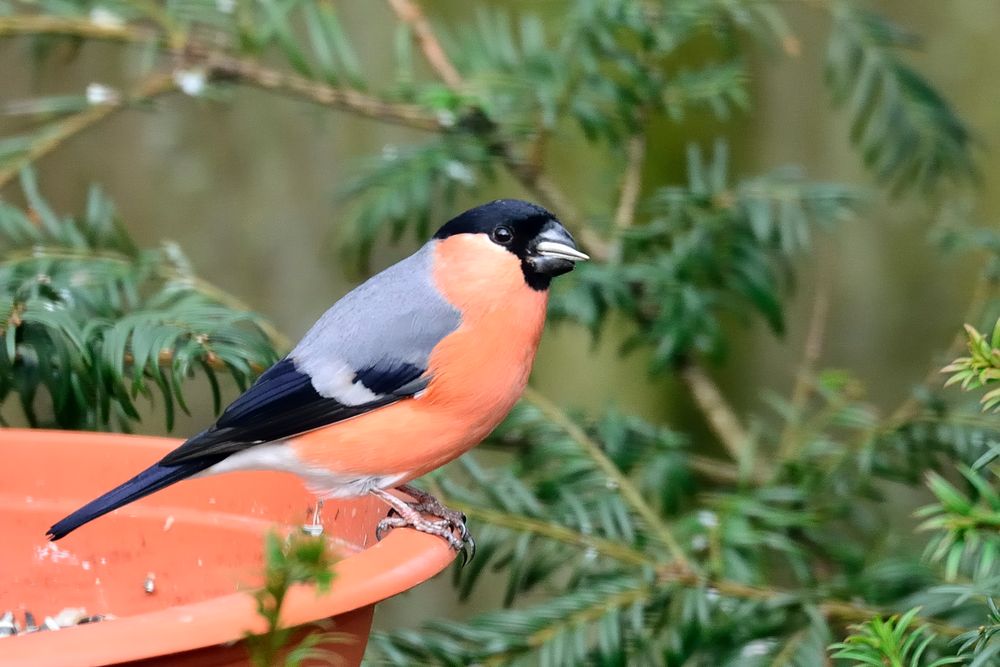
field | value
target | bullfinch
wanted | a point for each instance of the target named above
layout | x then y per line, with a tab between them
406	372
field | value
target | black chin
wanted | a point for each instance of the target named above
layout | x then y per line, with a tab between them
539	271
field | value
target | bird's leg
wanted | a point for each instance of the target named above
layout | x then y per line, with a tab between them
316	527
410	515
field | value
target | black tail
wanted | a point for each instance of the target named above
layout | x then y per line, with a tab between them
148	481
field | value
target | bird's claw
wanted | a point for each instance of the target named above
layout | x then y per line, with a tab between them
453	517
469	546
445	524
428	504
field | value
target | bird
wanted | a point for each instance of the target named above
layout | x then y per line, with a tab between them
403	374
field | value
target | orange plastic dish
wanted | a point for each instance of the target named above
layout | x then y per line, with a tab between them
202	542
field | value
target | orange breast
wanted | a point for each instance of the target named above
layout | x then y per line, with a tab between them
478	372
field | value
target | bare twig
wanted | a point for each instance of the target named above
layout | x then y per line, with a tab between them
718	471
814	336
539	144
156	84
37	24
635	153
717	411
810	355
251	72
411	14
658	527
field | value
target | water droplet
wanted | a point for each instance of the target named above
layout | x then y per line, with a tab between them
708	518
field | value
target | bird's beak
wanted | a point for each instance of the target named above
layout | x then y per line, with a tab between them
561	250
554	252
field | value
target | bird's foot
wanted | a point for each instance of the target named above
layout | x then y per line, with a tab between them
448	521
428	504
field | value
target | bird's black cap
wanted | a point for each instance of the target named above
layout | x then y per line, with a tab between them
484	219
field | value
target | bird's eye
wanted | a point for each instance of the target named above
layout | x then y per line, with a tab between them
502	235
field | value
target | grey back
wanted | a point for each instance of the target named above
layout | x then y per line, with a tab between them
391	321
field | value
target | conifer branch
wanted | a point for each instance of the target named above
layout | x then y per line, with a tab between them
221	65
546	529
831	608
278	338
656	523
165	360
589	614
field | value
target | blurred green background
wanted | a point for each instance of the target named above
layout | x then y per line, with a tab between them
248	188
